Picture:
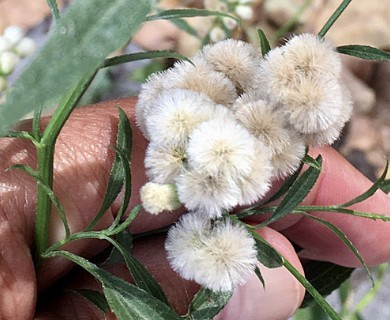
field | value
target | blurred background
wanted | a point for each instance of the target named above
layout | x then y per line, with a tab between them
366	139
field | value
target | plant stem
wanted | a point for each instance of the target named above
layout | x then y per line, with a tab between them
333	18
45	157
45	161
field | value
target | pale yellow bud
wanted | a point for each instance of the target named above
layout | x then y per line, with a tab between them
8	61
25	47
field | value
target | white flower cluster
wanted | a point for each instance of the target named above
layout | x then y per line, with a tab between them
220	129
14	46
221	26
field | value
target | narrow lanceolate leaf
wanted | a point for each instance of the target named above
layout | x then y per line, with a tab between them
297	192
186	27
365	52
96	298
325	277
377	185
260	276
264	44
188	13
308	160
341	235
206	304
143	56
125	300
266	254
78	44
118	169
141	275
125	239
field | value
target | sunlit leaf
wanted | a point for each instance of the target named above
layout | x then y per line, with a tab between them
364	52
206	304
78	44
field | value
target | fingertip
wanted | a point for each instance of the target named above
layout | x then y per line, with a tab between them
278	299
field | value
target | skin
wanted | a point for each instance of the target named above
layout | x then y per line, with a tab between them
82	163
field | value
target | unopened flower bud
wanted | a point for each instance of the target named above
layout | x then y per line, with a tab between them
25	47
217	34
5	44
245	12
14	34
8	61
229	23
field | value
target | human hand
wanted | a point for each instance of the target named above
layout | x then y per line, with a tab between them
83	160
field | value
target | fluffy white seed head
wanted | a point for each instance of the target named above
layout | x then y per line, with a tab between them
163	163
150	90
238	60
330	135
265	123
311	55
287	161
176	114
221	147
209	194
201	78
312	104
219	258
157	198
254	186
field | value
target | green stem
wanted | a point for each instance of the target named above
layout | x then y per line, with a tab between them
54	9
333	18
45	160
45	157
313	292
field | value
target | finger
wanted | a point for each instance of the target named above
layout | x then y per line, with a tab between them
279	299
340	182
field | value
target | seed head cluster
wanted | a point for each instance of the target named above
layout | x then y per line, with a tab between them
221	128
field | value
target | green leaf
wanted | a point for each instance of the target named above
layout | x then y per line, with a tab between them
120	171
260	276
311	162
188	13
206	304
377	185
143	56
297	192
141	275
325	277
385	186
80	41
96	298
365	52
125	239
54	9
264	44
286	185
266	254
341	235
186	27
125	300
